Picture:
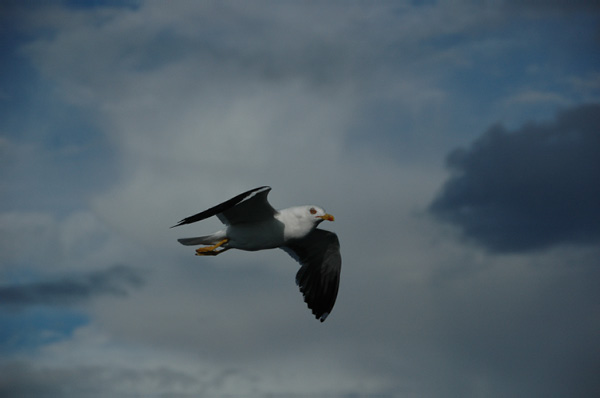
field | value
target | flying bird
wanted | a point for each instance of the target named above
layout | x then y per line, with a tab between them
252	224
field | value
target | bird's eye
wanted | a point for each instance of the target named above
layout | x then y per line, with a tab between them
312	210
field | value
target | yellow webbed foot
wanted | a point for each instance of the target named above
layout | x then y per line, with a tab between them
212	250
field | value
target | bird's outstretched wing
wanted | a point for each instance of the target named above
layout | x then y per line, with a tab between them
319	276
250	206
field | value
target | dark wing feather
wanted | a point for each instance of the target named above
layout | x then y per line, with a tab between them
253	208
245	207
319	276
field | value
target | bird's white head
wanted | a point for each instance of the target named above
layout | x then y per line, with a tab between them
317	214
300	220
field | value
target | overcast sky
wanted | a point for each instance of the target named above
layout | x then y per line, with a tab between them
456	145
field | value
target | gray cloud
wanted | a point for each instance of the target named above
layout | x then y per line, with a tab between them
115	281
198	104
528	189
25	379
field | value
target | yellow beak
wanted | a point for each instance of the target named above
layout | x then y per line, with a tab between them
327	217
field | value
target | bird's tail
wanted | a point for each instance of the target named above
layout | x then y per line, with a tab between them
203	240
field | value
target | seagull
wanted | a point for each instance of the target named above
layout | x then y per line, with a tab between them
252	224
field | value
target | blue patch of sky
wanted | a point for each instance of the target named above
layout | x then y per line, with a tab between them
28	330
524	54
539	55
16	73
74	158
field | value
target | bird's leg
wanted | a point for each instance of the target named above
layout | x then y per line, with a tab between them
212	250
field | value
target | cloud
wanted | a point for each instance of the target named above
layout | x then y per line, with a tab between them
27	379
72	290
90	362
533	97
553	5
334	105
528	189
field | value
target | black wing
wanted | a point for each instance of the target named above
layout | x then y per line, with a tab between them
319	276
250	206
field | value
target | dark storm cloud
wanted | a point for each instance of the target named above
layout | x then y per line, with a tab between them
115	280
529	189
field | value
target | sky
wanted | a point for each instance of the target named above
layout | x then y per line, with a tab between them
456	143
